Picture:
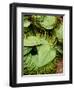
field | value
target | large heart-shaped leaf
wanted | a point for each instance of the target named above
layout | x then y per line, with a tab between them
45	55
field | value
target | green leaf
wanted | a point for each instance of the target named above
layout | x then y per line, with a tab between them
59	33
27	23
30	62
59	49
36	40
49	22
32	41
46	54
39	18
26	17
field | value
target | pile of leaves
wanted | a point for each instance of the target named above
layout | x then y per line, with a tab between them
42	43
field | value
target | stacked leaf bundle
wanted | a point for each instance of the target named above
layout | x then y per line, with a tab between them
42	44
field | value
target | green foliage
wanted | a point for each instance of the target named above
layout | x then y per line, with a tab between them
32	41
46	54
42	44
59	32
26	22
49	22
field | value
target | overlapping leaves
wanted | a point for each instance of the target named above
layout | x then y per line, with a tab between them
41	37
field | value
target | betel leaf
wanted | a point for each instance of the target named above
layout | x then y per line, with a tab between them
39	18
49	22
27	23
36	40
46	54
59	32
32	41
